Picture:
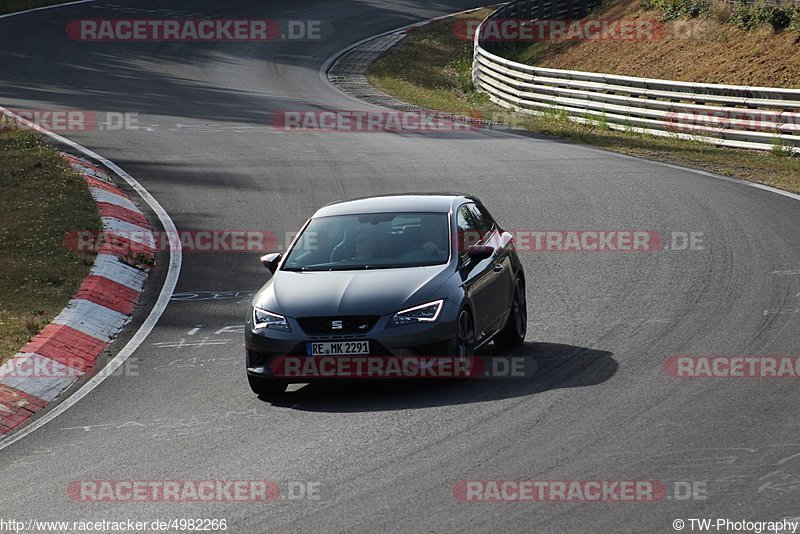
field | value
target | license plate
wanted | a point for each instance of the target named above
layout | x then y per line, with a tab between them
338	348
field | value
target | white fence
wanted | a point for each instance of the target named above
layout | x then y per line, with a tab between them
727	115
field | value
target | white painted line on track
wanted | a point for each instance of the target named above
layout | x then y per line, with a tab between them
787	272
171	280
43	8
719	176
54	6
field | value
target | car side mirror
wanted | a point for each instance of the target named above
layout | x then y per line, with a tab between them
479	252
271	261
506	238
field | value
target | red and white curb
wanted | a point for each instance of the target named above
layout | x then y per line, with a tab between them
69	346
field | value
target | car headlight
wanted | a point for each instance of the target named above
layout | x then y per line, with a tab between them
424	313
264	319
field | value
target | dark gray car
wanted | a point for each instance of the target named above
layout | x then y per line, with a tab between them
412	275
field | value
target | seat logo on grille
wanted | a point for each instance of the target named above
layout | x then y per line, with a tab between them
336	325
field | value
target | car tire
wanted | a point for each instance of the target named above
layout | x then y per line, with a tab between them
465	335
460	347
266	387
513	332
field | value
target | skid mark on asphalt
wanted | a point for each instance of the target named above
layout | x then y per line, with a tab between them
167	428
197	363
241	297
183	344
35	457
789	310
767	470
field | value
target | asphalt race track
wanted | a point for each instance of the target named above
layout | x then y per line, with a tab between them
386	457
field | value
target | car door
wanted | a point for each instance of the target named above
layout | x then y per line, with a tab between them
502	277
479	276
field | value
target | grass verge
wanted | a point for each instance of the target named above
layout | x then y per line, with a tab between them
431	67
43	199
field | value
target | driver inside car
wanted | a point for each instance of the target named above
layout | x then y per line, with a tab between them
434	240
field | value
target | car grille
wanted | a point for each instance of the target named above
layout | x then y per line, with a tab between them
324	326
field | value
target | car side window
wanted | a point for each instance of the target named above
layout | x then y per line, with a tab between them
482	219
468	230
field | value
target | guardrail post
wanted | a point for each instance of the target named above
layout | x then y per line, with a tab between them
476	71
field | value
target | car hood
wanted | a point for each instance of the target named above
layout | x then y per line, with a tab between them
366	292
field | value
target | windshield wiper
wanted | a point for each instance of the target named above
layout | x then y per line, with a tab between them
299	269
351	268
366	267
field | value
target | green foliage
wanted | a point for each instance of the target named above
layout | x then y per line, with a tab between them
673	9
780	150
555	115
598	119
462	65
794	23
748	16
745	16
781	17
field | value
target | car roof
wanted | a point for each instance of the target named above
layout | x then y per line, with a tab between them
408	202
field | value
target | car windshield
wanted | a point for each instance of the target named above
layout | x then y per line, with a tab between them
371	241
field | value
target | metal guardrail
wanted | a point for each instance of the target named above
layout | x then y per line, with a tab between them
726	115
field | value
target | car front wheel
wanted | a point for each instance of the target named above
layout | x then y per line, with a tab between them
513	333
